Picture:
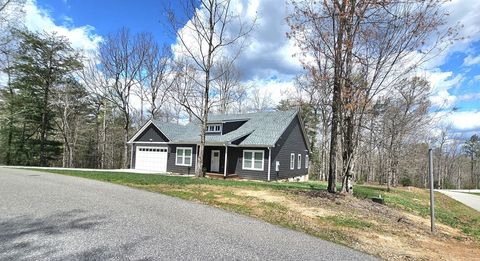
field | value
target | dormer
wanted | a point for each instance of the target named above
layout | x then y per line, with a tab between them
214	128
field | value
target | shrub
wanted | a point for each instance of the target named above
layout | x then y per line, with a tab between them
406	181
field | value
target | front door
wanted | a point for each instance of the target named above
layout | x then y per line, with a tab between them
215	161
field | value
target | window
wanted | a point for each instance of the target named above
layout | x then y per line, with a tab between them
292	161
306	161
299	166
253	159
184	157
152	149
214	128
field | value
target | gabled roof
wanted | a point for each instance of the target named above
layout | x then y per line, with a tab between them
260	129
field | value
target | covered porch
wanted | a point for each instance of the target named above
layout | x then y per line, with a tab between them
217	162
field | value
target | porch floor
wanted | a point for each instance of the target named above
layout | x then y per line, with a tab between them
220	175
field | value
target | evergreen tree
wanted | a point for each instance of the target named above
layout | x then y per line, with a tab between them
42	62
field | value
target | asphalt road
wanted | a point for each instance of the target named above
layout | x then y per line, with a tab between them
470	200
53	217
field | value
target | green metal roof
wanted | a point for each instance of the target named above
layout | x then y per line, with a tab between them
260	129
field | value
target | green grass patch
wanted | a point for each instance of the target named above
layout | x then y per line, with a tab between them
148	179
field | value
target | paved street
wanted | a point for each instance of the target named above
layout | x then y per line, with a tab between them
470	200
54	217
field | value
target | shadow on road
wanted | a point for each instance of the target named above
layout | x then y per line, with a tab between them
51	237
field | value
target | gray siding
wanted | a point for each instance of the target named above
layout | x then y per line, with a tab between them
235	158
171	167
151	133
291	141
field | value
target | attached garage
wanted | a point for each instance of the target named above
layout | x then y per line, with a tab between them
151	158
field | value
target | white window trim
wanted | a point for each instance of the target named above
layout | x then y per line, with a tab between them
183	156
253	159
292	161
299	164
307	162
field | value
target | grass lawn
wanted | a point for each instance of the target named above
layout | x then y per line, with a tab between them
397	230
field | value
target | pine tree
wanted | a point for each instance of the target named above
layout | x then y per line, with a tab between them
42	62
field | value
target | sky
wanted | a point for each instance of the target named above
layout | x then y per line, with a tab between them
268	60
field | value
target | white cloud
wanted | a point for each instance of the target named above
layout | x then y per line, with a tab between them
441	83
277	90
471	60
81	38
465	14
465	120
270	52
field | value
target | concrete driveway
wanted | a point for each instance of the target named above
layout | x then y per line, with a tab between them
464	197
53	217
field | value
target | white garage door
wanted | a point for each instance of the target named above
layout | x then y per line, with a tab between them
151	158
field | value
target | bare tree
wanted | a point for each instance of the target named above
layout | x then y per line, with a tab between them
212	29
122	57
367	47
405	116
71	105
227	87
159	79
258	100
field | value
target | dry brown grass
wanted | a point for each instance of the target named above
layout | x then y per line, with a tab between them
380	230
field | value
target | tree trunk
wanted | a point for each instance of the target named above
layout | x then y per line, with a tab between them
44	127
332	170
8	156
199	167
125	142
348	152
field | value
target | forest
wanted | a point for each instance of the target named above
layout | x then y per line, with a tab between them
362	94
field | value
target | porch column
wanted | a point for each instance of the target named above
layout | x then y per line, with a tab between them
269	163
225	167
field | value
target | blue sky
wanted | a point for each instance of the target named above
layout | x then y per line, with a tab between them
267	62
460	62
107	16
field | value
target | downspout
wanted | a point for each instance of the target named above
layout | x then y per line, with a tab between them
269	161
226	162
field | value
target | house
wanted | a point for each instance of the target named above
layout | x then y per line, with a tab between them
261	146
